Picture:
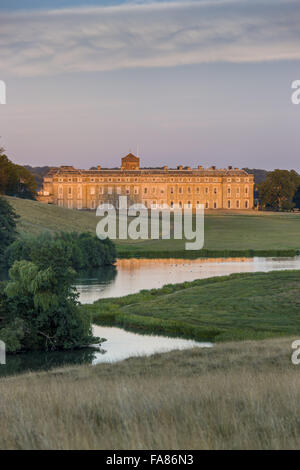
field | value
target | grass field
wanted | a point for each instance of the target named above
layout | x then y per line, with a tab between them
235	307
224	231
234	396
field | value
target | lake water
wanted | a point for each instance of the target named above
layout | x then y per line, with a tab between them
133	275
130	276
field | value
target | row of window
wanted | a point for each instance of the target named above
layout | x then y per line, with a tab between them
127	180
154	190
155	204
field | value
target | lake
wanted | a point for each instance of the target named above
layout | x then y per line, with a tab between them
130	276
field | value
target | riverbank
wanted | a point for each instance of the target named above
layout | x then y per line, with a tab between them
225	308
227	233
241	395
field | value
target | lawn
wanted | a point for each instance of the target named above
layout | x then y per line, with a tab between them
235	307
225	231
241	395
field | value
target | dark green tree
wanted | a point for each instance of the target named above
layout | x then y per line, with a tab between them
40	310
15	180
8	230
278	190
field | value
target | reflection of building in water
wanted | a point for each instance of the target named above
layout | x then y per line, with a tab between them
69	187
139	263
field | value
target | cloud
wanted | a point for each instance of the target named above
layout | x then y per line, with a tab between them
164	34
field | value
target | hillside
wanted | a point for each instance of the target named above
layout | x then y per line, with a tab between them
224	230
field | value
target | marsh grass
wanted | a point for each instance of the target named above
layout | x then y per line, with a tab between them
235	396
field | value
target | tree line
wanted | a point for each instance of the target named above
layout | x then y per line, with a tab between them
15	180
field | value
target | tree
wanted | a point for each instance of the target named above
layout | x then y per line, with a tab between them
40	311
278	190
8	230
15	180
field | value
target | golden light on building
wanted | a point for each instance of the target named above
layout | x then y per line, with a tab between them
229	188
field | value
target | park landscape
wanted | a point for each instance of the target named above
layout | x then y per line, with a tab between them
242	393
135	343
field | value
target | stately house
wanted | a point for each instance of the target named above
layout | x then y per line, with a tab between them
69	187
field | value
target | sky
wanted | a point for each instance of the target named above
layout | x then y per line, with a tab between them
180	82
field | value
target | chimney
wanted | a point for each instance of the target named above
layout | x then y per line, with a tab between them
165	168
200	167
99	167
229	167
188	168
179	167
213	167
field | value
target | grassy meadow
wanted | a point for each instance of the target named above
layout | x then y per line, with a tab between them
241	395
226	232
227	308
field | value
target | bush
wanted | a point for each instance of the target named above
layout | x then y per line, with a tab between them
82	251
39	309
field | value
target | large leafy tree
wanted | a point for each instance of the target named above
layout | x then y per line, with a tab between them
40	310
15	180
278	190
8	230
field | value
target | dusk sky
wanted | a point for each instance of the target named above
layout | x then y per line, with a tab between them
190	82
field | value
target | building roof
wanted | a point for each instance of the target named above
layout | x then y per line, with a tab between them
130	158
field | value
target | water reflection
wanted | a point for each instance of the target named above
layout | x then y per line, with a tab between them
122	344
35	361
134	275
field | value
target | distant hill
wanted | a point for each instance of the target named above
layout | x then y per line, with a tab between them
259	175
38	172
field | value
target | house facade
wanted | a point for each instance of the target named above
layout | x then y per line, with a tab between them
73	188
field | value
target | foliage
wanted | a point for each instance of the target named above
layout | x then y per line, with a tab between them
15	180
278	190
80	251
40	309
8	231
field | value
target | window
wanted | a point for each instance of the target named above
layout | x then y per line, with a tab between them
198	190
228	191
246	190
215	190
237	204
110	190
206	205
215	205
229	204
246	204
198	204
180	190
206	190
238	190
189	204
172	204
189	190
145	190
136	190
119	190
153	190
172	190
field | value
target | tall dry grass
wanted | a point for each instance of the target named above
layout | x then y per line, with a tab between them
235	396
